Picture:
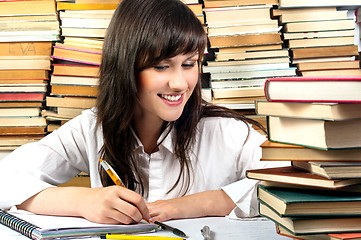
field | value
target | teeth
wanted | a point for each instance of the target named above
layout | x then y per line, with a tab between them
171	97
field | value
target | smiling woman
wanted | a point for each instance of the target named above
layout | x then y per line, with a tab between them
163	90
178	156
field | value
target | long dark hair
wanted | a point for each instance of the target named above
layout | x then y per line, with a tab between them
141	34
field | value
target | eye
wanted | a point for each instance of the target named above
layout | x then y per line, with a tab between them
161	67
189	64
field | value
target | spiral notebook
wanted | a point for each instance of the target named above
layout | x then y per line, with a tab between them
42	227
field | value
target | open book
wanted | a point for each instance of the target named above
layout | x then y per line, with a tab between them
42	227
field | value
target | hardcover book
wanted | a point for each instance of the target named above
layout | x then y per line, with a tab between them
321	225
313	89
326	111
288	202
323	52
291	175
273	151
319	3
331	236
331	170
315	133
328	65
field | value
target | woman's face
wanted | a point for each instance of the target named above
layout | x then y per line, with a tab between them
164	89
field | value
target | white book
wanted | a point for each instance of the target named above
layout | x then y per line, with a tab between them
291	71
247	67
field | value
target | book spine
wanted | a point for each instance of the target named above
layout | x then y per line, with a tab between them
17	224
265	90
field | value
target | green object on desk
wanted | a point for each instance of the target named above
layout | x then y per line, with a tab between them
137	237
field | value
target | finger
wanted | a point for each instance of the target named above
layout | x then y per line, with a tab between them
126	212
137	201
109	215
159	217
123	217
153	210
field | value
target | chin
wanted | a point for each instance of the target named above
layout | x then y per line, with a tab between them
171	117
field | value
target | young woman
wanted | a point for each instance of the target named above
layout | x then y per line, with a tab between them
178	156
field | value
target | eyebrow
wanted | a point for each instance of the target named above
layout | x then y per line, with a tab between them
196	54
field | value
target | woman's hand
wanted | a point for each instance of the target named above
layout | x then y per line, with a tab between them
209	203
112	205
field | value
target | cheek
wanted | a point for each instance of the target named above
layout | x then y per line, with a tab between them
145	82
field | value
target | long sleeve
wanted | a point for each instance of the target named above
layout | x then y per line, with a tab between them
53	160
243	191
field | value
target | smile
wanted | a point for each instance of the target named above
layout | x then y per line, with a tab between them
171	98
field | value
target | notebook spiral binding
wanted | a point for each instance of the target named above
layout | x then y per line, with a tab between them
17	224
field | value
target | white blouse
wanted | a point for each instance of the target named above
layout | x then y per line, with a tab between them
219	159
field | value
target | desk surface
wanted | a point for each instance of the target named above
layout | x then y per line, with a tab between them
222	229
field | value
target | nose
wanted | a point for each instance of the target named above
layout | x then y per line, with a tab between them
178	81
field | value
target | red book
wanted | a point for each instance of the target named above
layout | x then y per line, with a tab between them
11	97
313	89
345	236
331	236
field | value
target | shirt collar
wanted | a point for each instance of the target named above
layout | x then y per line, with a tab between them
165	140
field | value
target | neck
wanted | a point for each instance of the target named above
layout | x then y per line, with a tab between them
148	133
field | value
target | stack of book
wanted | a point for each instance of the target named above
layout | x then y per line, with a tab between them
27	32
316	124
85	18
247	48
76	58
321	37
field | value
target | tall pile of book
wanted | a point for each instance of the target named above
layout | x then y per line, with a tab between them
321	36
27	32
77	57
315	123
247	47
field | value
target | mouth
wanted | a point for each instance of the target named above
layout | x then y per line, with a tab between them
171	98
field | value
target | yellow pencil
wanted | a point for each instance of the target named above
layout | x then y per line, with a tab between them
110	171
137	237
